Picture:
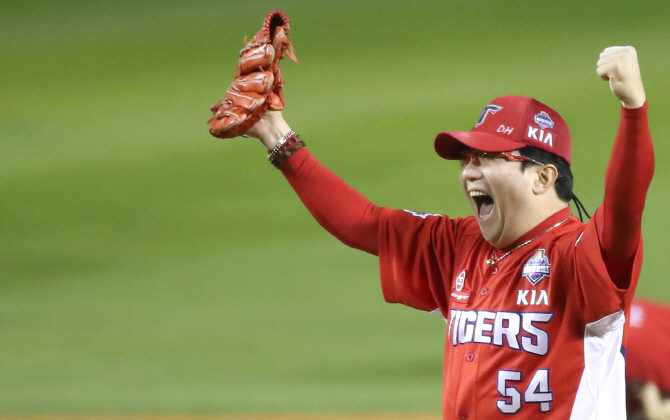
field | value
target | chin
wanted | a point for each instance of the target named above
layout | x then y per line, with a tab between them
492	234
487	233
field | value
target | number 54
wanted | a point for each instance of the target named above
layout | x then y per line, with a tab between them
537	391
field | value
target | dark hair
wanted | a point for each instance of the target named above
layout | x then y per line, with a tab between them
564	182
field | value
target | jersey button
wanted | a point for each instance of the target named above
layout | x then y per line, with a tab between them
463	416
485	291
470	357
495	270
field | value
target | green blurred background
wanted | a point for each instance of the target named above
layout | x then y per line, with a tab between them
146	266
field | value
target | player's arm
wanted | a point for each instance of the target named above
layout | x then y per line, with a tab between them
339	208
631	165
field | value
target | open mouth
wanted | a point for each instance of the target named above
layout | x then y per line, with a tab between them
483	201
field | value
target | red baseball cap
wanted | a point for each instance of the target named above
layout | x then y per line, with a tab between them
510	123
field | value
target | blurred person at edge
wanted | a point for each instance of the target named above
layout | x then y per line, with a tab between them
648	361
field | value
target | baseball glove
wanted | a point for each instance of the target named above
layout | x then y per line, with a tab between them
258	83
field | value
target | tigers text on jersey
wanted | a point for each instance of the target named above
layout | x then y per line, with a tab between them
533	333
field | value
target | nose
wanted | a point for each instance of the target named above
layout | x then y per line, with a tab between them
470	171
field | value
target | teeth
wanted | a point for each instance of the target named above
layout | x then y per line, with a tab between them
477	193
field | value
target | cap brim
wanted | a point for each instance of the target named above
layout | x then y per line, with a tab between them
450	145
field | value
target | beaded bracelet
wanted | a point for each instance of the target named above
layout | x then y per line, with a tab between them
280	154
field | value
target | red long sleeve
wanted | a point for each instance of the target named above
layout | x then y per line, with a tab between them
354	220
339	208
627	181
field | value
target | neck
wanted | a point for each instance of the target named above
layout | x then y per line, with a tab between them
525	221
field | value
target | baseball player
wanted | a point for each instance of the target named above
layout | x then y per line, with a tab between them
648	361
534	300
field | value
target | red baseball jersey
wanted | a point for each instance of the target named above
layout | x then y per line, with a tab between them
648	345
533	331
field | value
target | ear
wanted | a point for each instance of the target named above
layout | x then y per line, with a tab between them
545	179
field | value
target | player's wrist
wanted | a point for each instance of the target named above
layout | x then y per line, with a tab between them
275	135
270	129
634	103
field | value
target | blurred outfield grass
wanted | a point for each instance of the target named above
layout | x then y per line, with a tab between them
148	267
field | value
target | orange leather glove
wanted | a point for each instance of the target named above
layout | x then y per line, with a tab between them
258	83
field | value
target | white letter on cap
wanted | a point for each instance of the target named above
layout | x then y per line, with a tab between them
505	130
549	139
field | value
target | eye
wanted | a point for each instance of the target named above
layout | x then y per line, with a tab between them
467	157
486	157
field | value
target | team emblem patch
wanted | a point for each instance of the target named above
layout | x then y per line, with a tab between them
537	267
544	120
492	109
